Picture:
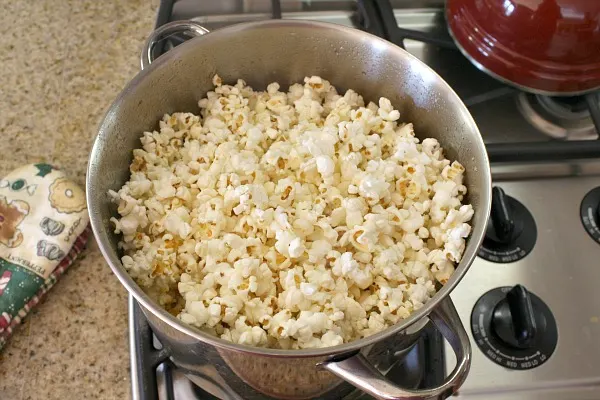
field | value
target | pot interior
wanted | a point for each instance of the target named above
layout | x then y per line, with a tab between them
283	52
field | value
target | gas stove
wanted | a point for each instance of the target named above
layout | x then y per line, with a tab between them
529	301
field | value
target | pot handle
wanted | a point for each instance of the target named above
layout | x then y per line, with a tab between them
358	371
185	26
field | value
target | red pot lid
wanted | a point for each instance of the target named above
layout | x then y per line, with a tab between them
543	46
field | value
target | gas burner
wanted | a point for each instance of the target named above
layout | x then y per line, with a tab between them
559	117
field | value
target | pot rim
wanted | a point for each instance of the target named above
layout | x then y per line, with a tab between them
94	201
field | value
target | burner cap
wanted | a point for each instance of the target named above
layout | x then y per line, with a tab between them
558	117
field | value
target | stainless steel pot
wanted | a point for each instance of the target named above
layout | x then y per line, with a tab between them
286	52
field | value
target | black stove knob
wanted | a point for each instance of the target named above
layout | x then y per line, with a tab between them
590	213
514	328
502	228
513	320
511	231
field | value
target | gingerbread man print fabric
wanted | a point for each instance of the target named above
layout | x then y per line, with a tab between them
43	227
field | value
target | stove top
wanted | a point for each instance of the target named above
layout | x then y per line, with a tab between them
529	301
562	271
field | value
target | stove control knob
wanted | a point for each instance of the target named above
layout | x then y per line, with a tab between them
514	328
513	319
502	229
511	231
590	213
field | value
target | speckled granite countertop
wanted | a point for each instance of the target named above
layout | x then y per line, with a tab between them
62	64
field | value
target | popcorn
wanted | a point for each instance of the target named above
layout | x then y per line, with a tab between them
330	338
296	248
176	222
292	220
386	111
318	250
325	166
373	188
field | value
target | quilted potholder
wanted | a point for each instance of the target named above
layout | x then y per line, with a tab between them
43	228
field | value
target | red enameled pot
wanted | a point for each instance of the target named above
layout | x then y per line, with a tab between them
549	47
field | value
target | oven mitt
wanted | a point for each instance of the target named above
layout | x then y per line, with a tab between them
43	228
